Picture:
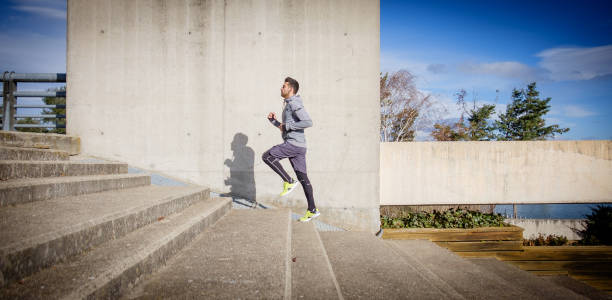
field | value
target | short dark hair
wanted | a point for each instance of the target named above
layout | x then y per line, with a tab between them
293	83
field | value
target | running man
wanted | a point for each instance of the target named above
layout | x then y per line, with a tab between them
295	120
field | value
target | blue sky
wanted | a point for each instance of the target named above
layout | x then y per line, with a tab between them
480	46
489	46
33	40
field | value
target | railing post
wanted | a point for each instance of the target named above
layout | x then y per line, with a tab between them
5	105
8	115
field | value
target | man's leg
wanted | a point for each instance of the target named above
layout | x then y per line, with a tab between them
298	162
303	178
273	162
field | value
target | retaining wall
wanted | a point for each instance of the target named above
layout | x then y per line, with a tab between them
521	172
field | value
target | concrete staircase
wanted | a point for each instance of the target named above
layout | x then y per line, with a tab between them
74	230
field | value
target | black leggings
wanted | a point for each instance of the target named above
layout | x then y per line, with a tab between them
303	178
274	163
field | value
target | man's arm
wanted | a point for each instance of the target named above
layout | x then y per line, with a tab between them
274	122
272	119
303	122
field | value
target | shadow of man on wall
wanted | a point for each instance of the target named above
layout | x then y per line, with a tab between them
242	176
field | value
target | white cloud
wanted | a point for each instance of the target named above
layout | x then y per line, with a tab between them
576	111
449	77
43	11
577	63
437	68
506	69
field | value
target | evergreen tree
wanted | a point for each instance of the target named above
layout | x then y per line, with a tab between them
524	120
479	129
56	111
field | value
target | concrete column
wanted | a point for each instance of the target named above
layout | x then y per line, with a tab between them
183	87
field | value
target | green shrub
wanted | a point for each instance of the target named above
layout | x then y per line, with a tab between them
452	218
549	240
597	227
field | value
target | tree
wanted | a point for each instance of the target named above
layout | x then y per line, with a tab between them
445	132
524	120
478	128
56	111
29	121
403	108
597	227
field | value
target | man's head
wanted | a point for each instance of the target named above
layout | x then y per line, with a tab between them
290	87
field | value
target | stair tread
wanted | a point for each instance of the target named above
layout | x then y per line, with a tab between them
366	268
462	275
30	223
11	169
24	182
84	274
9	153
538	287
25	190
62	162
70	144
244	255
311	273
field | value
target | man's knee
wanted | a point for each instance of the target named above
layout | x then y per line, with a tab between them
265	155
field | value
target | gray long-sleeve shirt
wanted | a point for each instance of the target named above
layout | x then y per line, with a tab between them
295	120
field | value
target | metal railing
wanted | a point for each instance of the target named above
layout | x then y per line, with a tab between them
10	94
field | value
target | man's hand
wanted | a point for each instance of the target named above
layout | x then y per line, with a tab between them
272	118
281	127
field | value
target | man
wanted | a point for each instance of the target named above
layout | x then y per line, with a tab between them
294	120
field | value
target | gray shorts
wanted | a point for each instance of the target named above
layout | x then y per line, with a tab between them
296	155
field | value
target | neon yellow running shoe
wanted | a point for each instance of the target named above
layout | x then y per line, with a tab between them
288	188
310	215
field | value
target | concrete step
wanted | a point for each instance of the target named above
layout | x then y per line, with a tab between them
366	268
11	169
466	278
16	153
63	142
448	290
16	191
578	287
245	255
109	270
39	234
537	287
312	276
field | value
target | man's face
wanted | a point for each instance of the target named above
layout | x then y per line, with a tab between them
286	90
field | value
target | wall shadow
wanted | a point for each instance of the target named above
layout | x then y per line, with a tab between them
242	176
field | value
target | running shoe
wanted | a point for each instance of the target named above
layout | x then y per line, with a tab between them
310	215
288	188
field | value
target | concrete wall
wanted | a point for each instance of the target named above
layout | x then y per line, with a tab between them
425	173
184	87
535	227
